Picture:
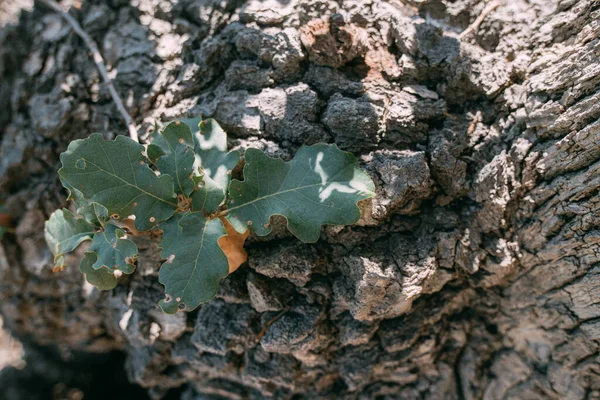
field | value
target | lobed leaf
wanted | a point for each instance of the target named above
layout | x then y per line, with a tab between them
157	148
208	196
110	180
115	175
195	262
193	123
64	232
321	185
100	213
212	155
84	207
113	251
178	159
103	278
216	164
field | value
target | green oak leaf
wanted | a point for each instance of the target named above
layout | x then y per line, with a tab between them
195	262
321	185
212	155
100	213
115	175
158	146
178	161
84	207
208	196
64	232
193	123
114	252
102	278
216	164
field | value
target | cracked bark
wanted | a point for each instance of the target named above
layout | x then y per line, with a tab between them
473	273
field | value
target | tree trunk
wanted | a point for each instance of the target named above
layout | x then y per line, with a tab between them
474	273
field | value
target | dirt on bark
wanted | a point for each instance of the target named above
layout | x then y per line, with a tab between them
473	274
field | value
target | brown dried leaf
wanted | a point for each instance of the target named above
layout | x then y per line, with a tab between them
233	245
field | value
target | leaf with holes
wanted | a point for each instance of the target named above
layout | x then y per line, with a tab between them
115	175
103	278
182	181
113	250
321	185
64	232
195	262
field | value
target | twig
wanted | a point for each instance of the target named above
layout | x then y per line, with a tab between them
486	11
270	322
99	64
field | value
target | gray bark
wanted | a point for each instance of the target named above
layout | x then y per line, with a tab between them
474	273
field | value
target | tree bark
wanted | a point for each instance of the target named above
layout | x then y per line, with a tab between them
473	274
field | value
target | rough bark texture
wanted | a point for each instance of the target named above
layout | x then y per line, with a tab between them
475	272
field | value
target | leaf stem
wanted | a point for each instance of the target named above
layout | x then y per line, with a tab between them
220	214
99	61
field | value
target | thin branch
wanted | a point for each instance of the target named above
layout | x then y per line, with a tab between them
271	321
99	64
475	25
